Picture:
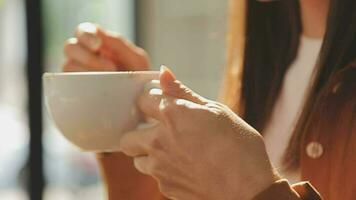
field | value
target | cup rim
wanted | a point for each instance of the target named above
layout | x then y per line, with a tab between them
130	73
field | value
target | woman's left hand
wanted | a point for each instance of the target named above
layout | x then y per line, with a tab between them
198	149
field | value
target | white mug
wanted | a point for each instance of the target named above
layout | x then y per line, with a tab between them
93	109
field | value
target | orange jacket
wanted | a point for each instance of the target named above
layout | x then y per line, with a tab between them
328	154
328	150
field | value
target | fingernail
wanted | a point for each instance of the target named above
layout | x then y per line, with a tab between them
166	69
88	27
89	33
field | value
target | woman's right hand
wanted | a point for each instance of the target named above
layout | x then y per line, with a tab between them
96	49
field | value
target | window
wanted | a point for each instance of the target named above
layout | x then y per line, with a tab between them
13	122
188	36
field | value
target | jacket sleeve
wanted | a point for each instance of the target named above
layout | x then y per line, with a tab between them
281	190
123	181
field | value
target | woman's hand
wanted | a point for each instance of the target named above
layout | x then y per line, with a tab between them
198	149
96	49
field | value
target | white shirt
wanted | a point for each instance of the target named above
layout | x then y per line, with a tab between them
289	103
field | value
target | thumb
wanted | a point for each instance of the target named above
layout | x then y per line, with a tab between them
172	87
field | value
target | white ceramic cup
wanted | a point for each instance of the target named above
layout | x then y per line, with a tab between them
93	109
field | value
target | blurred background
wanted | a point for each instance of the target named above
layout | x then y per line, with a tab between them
35	161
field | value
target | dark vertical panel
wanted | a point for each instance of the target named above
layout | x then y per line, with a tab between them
34	72
136	20
141	12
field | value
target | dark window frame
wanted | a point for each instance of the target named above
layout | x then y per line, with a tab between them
34	70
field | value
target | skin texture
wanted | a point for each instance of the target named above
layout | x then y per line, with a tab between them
198	149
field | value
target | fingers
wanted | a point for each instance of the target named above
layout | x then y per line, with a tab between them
111	46
89	60
73	66
171	112
154	103
122	51
100	50
139	142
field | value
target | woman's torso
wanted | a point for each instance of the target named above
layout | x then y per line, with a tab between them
289	103
328	147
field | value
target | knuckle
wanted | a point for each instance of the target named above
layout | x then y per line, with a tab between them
215	108
222	106
213	104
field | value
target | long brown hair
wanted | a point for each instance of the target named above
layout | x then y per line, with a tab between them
263	43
